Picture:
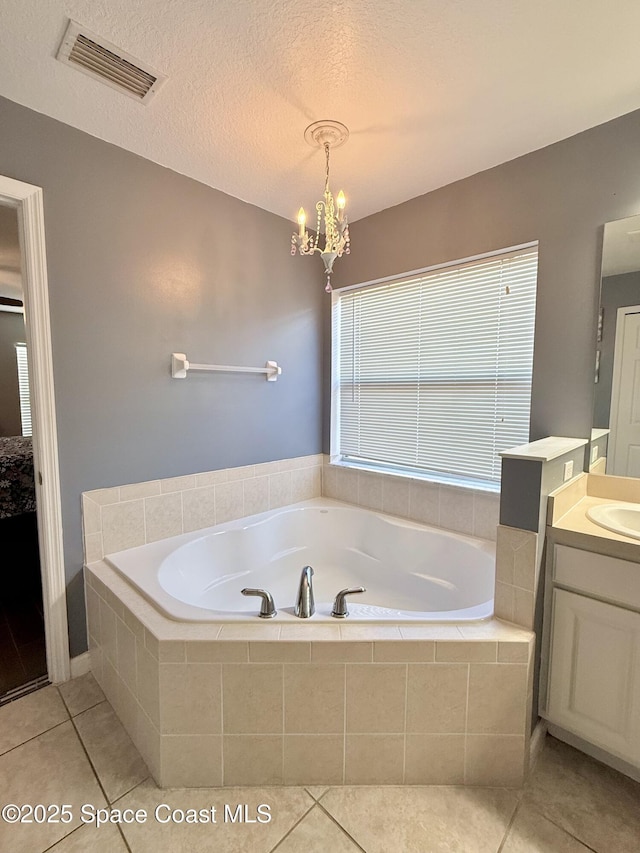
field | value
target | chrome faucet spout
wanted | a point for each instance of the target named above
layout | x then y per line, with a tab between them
305	605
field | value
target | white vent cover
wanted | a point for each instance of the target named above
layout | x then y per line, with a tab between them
97	57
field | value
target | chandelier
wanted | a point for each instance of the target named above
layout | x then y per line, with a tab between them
331	216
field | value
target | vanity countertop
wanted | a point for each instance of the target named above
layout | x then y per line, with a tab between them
575	529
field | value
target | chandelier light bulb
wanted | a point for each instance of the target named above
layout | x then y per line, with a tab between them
302	219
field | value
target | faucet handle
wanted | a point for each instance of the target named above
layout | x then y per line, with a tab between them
268	608
340	604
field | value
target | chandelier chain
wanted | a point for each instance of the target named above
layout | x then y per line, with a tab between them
326	174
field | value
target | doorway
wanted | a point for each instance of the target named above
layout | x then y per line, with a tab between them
23	664
35	539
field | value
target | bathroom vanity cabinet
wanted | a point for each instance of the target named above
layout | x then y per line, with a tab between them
592	654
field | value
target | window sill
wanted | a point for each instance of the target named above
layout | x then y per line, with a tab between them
467	484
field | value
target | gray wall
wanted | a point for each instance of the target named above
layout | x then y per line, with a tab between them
143	262
617	290
560	195
11	333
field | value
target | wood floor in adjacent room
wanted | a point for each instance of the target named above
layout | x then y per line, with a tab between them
22	641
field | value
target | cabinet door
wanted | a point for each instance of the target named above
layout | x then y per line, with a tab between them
594	682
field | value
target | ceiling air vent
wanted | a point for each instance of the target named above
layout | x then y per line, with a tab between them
95	56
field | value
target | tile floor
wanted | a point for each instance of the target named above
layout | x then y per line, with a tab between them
65	746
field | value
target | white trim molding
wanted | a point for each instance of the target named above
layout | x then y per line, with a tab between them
80	665
27	200
537	743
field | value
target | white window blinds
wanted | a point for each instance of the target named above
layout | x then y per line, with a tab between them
433	373
23	388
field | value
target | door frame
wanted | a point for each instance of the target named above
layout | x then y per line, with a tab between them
622	313
28	202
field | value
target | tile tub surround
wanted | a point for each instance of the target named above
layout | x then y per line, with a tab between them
518	562
256	704
126	516
530	473
469	511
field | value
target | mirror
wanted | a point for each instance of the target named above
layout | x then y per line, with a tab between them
615	439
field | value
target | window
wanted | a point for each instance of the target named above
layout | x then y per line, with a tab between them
432	372
23	388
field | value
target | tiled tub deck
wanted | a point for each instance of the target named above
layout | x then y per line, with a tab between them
311	704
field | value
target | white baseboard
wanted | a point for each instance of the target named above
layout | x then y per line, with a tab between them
536	744
80	665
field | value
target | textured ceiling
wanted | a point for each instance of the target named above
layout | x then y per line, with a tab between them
432	90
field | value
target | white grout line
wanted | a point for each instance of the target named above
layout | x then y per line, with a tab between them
344	727
283	725
221	724
466	725
406	700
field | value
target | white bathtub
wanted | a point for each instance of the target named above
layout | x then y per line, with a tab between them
411	572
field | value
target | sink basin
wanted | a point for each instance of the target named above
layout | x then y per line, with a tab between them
622	518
